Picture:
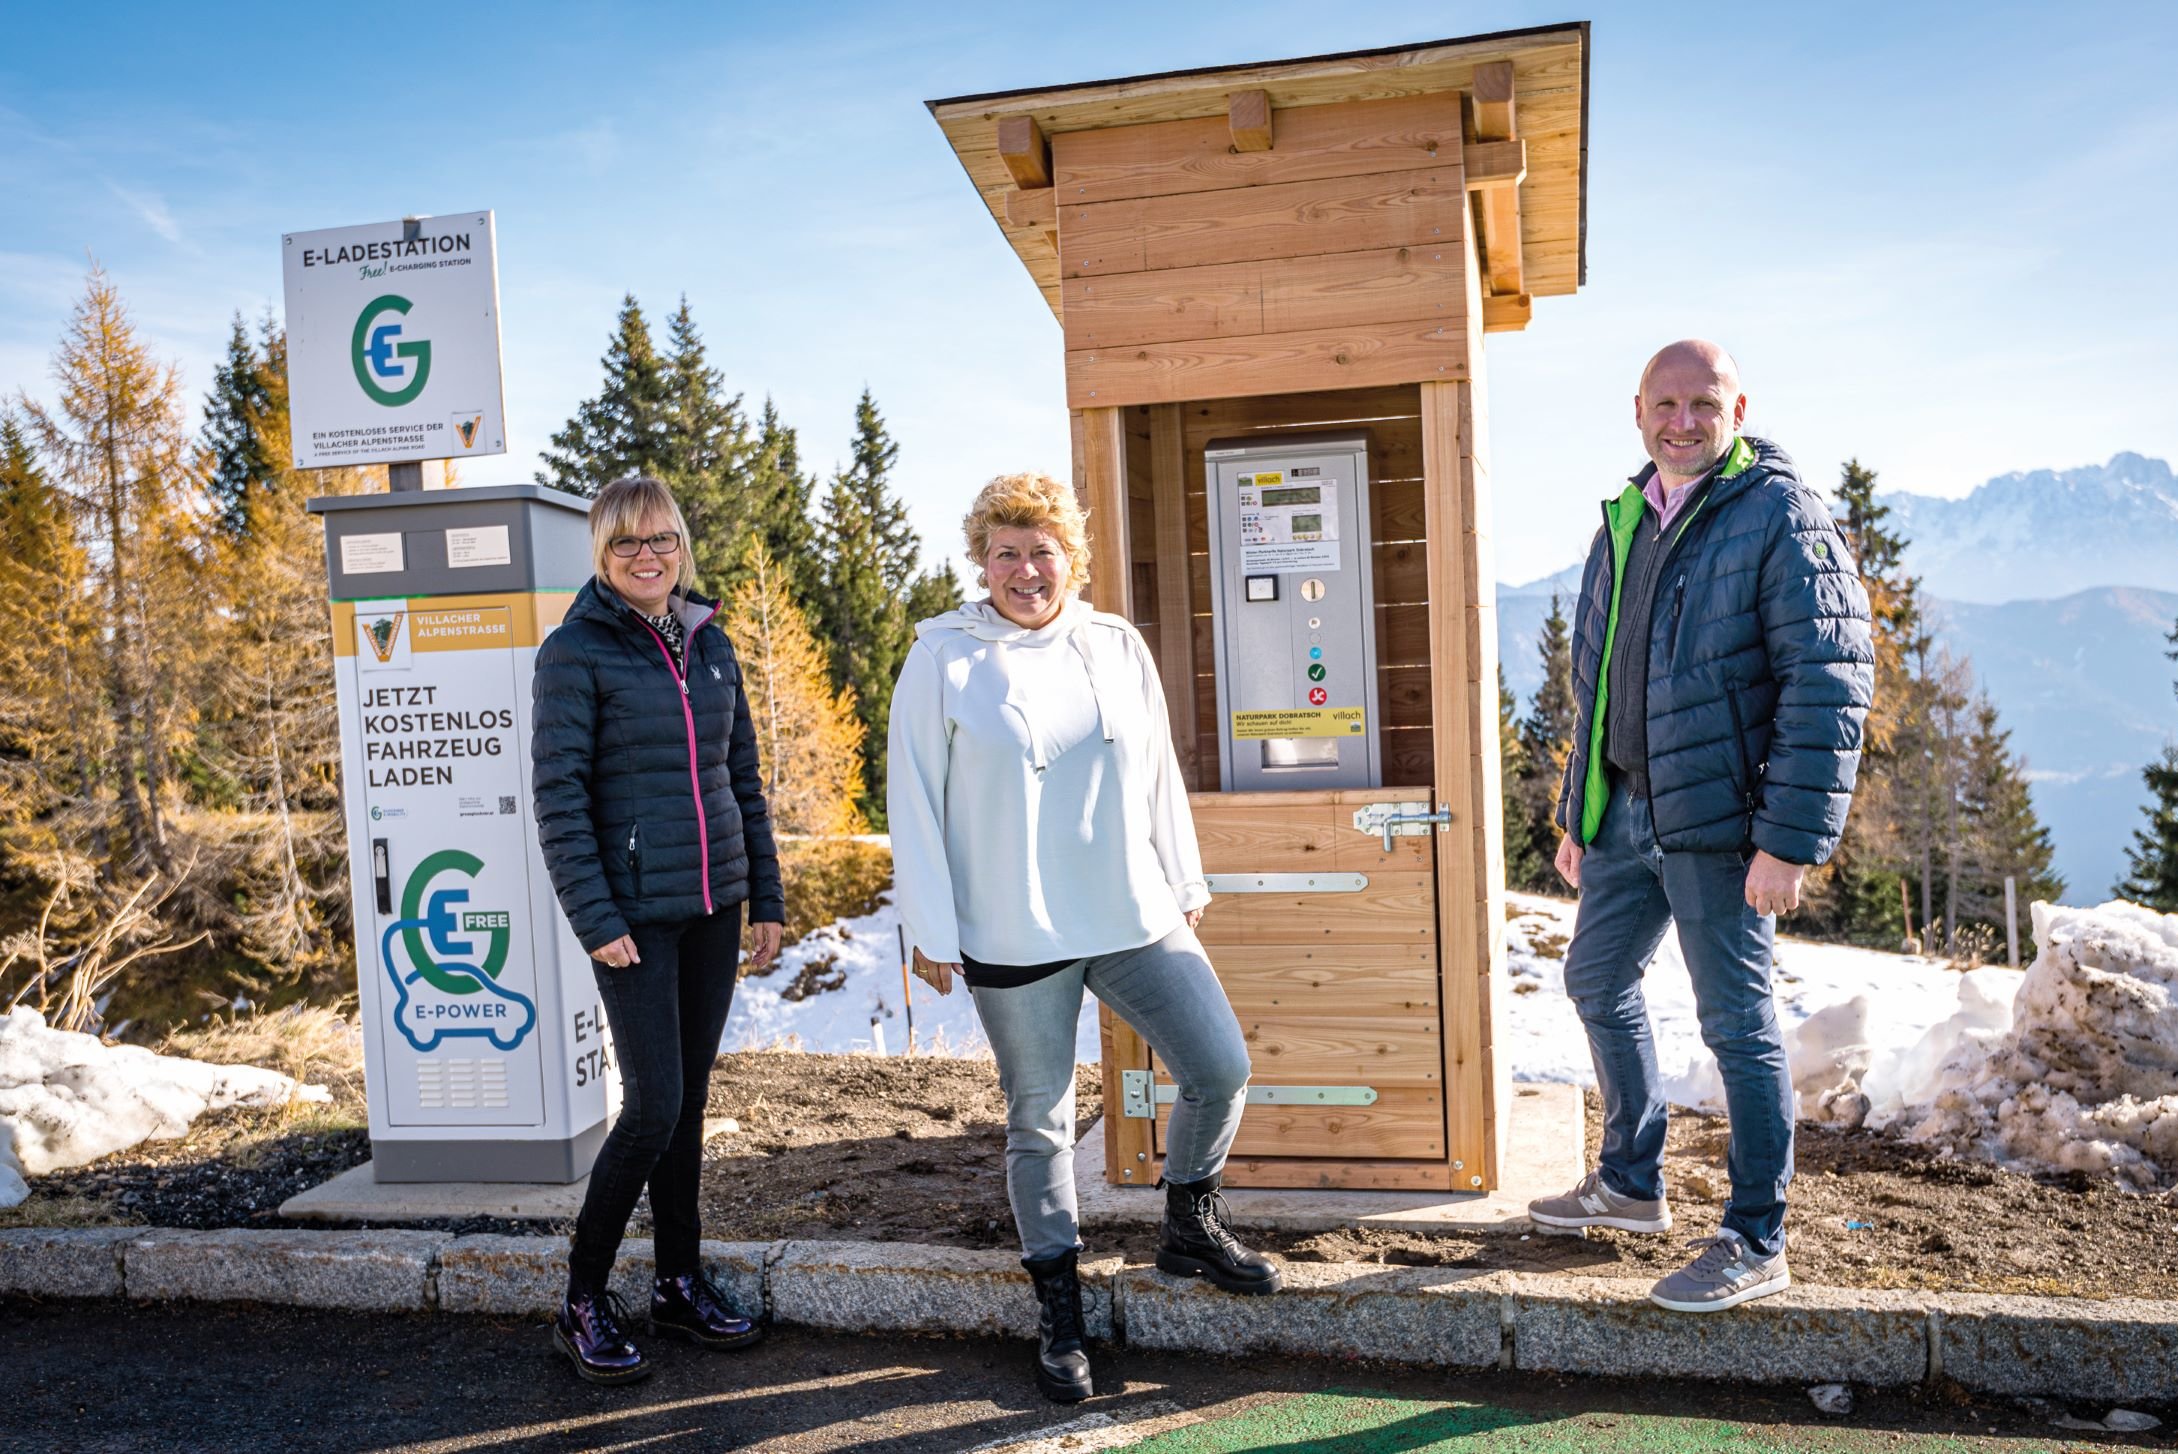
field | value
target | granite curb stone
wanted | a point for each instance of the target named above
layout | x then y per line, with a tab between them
1804	1334
493	1273
907	1287
63	1261
1434	1315
1608	1326
381	1271
2128	1350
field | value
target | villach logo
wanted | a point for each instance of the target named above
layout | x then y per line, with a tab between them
434	998
378	357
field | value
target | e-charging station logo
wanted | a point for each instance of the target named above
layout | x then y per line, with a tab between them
435	998
392	370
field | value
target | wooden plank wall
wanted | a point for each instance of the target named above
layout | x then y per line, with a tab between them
1390	416
1330	988
1194	271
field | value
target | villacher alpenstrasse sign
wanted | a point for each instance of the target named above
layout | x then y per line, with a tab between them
393	341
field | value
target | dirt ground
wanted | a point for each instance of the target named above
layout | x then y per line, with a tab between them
854	1146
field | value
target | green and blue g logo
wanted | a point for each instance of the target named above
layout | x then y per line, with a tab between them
442	939
392	372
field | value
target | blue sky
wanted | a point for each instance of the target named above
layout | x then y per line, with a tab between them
1937	236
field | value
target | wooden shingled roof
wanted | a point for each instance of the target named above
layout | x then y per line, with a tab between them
1550	68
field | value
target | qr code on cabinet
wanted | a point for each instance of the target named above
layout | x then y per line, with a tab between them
506	804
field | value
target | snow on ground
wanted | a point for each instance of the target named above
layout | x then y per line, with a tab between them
2084	1077
68	1099
848	974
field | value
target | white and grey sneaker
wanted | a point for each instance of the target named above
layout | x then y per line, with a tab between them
1726	1274
1592	1204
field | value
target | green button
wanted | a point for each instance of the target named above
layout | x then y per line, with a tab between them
1315	672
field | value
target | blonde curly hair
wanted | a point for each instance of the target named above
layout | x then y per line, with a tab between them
1030	501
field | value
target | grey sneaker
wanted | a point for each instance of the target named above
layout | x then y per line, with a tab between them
1592	1204
1725	1275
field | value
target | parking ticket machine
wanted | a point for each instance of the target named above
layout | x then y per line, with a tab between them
1292	600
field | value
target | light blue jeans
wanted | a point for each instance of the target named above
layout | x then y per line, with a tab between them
1170	995
1631	892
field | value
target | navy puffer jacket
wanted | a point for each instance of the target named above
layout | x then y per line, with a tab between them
650	805
1761	668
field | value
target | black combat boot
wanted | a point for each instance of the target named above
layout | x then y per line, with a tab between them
1062	1365
587	1330
1196	1241
691	1307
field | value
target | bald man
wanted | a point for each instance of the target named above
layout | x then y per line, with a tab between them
1723	667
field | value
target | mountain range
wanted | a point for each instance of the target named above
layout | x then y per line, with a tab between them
2061	587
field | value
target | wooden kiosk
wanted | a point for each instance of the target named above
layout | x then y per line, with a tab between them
1251	263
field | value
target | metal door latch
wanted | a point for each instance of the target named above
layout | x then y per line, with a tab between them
1140	1095
1396	820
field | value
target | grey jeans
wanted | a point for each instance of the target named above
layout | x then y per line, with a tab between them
1170	995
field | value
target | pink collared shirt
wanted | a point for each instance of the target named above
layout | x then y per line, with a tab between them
1668	504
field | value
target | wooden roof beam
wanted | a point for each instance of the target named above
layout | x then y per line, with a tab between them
1249	113
1507	313
1497	206
1038	209
1496	164
1021	146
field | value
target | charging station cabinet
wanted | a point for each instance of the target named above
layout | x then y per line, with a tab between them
1291	595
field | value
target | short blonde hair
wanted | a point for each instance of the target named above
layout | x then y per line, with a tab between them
1029	501
622	507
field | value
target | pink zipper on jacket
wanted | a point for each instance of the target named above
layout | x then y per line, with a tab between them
695	782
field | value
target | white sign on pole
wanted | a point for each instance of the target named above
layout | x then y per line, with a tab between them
393	342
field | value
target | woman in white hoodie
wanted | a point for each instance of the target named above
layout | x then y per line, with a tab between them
1042	846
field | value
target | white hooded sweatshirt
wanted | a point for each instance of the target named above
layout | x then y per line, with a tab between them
1036	806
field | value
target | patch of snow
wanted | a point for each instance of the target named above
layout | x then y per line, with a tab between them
2085	1075
68	1099
857	964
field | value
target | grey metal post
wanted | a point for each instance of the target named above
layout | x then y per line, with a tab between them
416	474
2011	919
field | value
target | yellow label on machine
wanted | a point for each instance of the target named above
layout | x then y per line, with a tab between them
1299	722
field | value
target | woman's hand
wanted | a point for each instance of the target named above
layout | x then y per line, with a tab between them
938	974
764	944
619	954
1194	918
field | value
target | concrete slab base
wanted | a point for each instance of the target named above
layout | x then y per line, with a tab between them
357	1196
1546	1152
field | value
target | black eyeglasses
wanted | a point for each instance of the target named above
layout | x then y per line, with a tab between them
627	547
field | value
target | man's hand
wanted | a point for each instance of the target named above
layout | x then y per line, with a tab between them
619	954
1569	859
764	944
1194	918
1773	885
936	973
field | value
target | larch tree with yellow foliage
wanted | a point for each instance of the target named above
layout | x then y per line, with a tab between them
808	736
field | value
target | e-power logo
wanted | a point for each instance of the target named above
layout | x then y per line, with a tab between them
391	370
445	993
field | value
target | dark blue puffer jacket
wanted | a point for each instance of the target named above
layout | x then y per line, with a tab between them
624	758
1761	668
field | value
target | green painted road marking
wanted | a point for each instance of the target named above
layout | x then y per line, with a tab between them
1359	1422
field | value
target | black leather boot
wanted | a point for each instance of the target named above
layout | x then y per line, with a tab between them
691	1307
587	1330
1062	1365
1196	1240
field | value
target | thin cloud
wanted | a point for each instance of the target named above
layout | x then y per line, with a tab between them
150	209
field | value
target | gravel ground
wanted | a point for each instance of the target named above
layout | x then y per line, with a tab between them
854	1146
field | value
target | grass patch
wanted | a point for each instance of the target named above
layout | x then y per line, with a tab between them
316	1044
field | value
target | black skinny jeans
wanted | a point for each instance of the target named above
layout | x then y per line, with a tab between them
667	1013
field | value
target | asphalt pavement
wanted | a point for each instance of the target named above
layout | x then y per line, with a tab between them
114	1376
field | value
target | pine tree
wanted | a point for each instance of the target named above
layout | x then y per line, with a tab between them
808	736
1546	741
870	558
2002	835
708	455
779	499
629	428
1524	865
934	593
54	729
241	391
2152	859
276	732
121	454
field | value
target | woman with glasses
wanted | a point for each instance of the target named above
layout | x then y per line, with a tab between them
651	813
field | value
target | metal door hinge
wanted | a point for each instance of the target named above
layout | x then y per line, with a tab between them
1286	883
1140	1095
1398	820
